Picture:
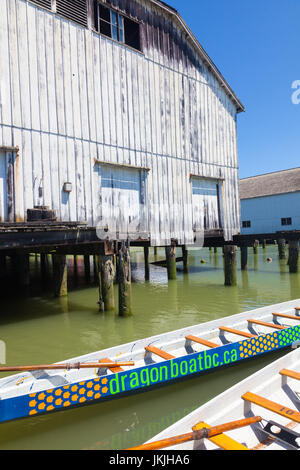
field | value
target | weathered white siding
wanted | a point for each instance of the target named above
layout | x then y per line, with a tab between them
69	96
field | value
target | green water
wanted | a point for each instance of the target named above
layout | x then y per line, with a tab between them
40	329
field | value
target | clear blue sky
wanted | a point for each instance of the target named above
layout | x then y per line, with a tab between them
256	46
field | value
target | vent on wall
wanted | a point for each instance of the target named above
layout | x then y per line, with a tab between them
75	10
43	3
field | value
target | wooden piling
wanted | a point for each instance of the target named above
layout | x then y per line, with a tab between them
171	262
244	258
3	267
60	275
147	263
20	268
215	250
97	279
106	282
293	256
282	248
255	246
24	270
87	268
264	244
124	278
44	267
95	268
185	256
230	265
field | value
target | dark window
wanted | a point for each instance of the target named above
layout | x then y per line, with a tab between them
132	34
247	224
118	27
287	221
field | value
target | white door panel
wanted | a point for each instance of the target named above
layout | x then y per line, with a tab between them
121	199
206	204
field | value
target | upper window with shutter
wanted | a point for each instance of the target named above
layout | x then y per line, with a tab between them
74	10
43	3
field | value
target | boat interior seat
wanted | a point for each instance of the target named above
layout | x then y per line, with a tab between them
113	369
263	323
222	440
203	342
269	405
236	332
159	352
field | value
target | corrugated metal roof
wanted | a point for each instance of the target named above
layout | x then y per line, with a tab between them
280	182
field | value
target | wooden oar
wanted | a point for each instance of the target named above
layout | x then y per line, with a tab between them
68	366
204	433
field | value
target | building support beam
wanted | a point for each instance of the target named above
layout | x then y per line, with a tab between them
3	267
124	278
147	264
244	258
87	268
255	246
185	256
282	248
45	267
23	270
106	276
95	268
230	265
293	256
60	275
171	262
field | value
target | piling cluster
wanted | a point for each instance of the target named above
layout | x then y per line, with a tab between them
113	267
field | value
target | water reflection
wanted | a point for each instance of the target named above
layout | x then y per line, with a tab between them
294	285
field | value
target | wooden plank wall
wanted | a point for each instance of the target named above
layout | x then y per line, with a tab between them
69	95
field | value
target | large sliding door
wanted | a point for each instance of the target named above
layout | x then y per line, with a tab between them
123	201
206	204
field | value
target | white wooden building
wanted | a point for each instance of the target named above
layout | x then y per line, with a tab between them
271	203
112	113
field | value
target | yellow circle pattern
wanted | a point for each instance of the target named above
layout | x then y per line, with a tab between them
261	344
67	395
